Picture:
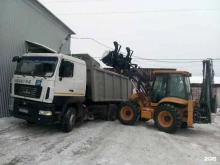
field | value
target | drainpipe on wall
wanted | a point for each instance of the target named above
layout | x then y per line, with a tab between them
66	39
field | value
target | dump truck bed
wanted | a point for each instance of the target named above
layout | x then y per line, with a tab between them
103	85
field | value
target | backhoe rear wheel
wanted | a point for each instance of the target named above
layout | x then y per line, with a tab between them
167	118
128	113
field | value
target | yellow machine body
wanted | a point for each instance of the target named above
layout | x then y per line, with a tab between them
147	108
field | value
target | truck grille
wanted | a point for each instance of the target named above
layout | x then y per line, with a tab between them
28	90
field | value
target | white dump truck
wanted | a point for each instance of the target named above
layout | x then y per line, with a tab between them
51	88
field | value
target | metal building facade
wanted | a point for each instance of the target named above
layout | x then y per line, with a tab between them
20	21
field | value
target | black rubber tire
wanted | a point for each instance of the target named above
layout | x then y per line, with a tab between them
155	123
175	113
30	122
68	119
112	112
184	125
136	113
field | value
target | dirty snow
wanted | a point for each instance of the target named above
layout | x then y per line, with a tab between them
107	143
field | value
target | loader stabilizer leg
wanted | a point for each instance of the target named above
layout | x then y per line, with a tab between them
190	113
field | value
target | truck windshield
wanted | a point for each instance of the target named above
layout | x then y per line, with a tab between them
37	66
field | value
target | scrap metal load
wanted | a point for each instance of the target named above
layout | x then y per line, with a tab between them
123	65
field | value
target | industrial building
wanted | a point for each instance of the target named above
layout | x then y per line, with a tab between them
26	26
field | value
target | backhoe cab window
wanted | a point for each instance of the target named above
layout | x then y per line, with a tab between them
176	86
66	69
188	88
159	88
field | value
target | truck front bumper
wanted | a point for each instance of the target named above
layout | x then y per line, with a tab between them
29	110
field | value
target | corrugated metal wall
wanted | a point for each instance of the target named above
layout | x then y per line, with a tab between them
22	20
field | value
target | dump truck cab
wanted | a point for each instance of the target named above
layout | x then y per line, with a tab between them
42	83
37	74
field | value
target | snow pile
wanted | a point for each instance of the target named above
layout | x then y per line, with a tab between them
9	122
218	112
216	117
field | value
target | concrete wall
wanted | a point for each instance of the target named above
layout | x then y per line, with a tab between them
196	91
22	20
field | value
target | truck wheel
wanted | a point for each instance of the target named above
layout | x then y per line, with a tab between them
167	118
184	125
112	112
68	119
128	113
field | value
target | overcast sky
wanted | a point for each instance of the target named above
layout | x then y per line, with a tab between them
167	29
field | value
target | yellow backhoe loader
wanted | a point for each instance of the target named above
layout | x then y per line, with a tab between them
167	99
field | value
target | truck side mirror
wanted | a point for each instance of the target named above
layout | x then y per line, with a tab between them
16	59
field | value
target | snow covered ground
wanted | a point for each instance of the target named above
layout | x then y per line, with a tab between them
107	143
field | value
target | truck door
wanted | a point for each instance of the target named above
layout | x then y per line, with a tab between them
64	84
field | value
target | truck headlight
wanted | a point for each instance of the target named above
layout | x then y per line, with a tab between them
45	113
11	104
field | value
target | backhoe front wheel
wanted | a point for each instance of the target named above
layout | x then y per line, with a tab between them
128	113
167	118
